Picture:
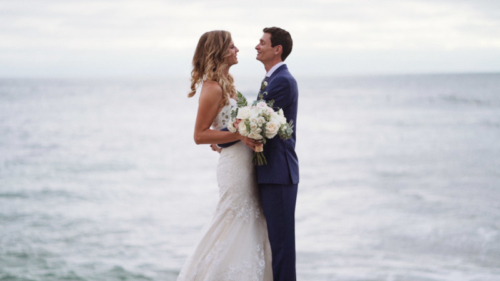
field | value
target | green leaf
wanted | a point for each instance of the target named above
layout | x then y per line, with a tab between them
247	124
289	130
242	101
261	97
234	113
287	134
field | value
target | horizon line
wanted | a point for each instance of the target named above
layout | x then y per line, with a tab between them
156	77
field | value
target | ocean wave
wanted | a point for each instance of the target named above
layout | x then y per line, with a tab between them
454	99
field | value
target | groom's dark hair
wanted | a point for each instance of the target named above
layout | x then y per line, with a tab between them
280	37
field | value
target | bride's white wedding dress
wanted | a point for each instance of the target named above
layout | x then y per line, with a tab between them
234	245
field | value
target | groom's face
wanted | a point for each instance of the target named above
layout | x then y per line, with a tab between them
265	52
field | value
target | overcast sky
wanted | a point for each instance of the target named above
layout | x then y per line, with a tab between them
87	38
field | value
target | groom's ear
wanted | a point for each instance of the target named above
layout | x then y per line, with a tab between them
278	50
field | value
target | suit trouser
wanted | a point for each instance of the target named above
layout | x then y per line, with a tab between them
278	203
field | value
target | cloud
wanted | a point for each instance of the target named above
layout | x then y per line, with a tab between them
111	31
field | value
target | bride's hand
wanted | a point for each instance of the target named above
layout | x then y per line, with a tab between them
215	148
250	142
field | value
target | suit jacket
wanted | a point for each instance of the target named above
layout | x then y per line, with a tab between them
282	162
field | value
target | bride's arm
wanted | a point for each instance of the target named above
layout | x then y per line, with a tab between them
208	108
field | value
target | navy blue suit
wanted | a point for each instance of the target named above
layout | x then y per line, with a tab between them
282	163
278	180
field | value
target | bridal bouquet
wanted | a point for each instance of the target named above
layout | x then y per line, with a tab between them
260	122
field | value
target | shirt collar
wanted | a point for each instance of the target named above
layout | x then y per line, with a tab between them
271	71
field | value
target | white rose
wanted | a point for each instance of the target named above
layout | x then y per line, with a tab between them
261	104
282	120
271	129
261	120
255	136
280	112
243	113
253	126
275	116
242	128
231	127
255	111
270	110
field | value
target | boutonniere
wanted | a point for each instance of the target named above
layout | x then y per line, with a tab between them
264	85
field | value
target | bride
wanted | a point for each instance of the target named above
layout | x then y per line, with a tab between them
234	245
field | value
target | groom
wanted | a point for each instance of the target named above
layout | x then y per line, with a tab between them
278	180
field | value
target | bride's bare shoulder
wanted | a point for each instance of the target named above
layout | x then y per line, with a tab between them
211	86
211	89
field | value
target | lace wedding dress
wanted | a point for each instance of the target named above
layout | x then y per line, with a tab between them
234	245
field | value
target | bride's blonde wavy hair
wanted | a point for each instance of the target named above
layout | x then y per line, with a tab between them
209	63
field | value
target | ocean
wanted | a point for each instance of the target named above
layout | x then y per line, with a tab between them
100	179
